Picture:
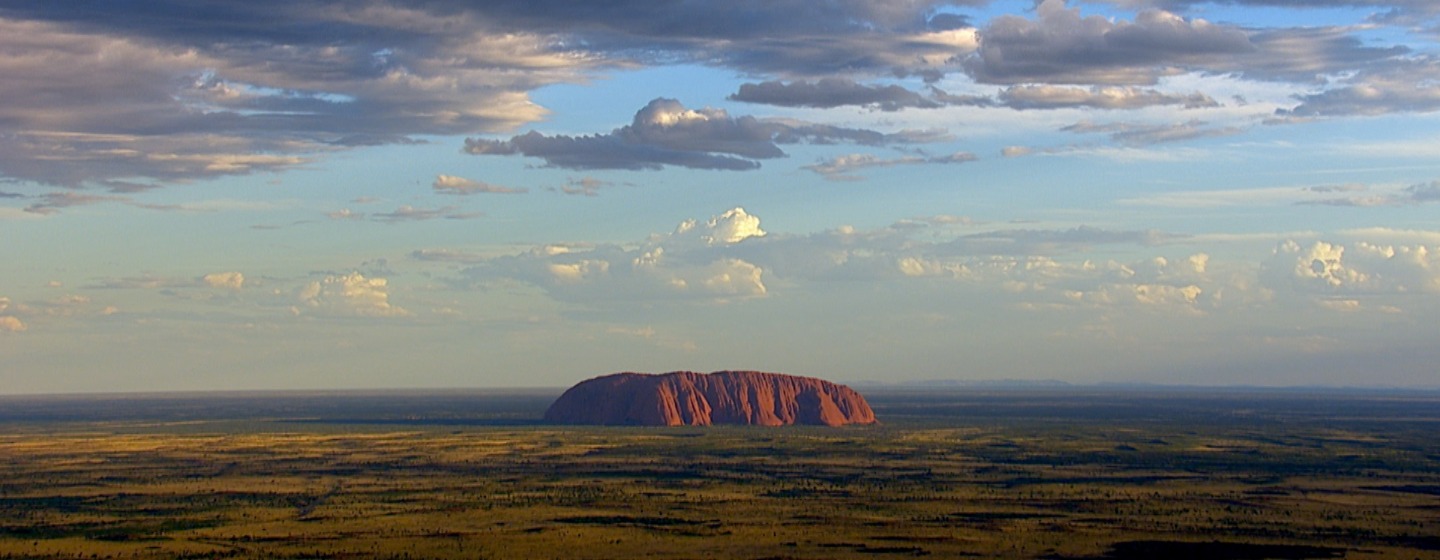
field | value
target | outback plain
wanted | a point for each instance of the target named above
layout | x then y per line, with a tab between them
1053	473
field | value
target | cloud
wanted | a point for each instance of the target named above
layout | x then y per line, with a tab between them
1062	47
841	168
450	184
832	92
1016	151
146	282
1401	86
1422	193
1133	134
1355	268
445	255
666	133
1113	97
1390	9
837	92
348	295
584	186
134	98
408	213
11	324
233	90
728	228
229	280
693	263
1046	241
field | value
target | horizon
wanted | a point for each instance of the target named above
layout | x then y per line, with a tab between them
323	195
1001	385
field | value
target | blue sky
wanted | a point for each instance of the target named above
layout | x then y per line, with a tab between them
395	193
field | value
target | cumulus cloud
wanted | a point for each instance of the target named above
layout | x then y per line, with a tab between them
666	133
1060	46
1401	86
450	184
1063	47
1355	268
230	280
728	228
348	295
129	98
842	168
695	262
11	324
241	95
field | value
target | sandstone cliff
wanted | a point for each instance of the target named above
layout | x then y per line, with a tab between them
685	398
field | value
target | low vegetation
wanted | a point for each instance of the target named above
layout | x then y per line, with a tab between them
1004	476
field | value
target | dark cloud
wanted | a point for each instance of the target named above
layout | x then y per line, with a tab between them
1307	54
128	96
832	92
1422	193
837	92
172	90
51	203
1114	97
583	186
665	133
1385	9
407	213
1063	47
842	168
1401	86
1133	134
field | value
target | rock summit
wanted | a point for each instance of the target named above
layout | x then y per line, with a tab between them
686	398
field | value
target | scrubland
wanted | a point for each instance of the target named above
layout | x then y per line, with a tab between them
941	477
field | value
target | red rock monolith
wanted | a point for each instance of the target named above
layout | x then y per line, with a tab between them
686	398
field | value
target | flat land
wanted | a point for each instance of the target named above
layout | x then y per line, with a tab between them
1054	474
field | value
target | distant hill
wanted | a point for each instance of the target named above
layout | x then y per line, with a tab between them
685	398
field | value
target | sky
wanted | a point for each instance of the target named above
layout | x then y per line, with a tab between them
326	194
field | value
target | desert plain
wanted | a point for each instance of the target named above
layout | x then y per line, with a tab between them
1042	473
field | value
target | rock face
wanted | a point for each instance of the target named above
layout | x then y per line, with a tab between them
685	398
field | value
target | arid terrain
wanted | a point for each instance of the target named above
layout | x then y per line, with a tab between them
1047	474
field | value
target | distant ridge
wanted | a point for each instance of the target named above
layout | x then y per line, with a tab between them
687	398
971	383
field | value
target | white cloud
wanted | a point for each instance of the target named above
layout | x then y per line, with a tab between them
732	277
1358	268
10	323
728	228
840	167
230	280
450	184
350	295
